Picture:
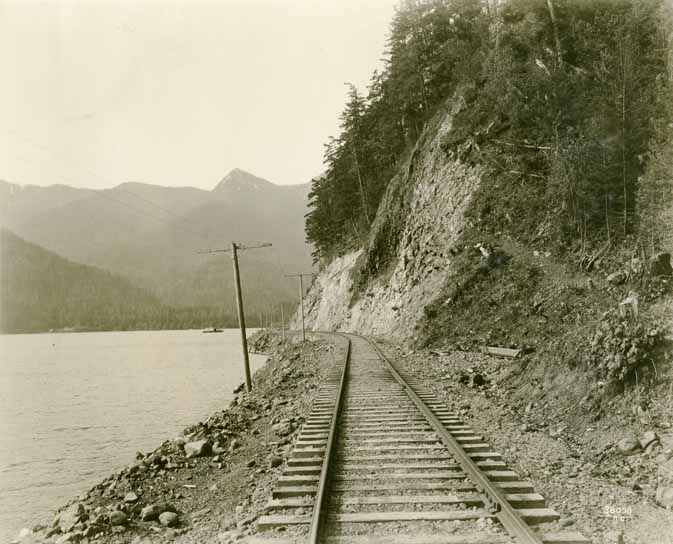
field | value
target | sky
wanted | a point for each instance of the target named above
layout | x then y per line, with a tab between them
99	92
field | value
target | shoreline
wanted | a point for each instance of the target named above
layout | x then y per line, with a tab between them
211	479
218	493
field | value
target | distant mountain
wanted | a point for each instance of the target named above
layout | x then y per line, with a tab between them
21	204
241	181
152	234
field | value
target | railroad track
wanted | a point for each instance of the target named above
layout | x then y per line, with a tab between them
381	460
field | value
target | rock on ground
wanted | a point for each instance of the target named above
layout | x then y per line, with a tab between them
197	448
168	519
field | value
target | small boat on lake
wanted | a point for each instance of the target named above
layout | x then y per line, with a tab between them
214	329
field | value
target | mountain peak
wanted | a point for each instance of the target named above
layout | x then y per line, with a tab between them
240	180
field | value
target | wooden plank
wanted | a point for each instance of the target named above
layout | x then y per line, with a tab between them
503	352
469	538
513	487
502	475
312	452
401	476
354	466
348	466
464	538
271	521
304	461
298	491
439	456
301	470
293	502
531	515
520	500
432	515
391	441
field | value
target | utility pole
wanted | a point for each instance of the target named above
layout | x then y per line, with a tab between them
301	299
282	321
239	303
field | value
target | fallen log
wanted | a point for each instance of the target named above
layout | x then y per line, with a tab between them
503	352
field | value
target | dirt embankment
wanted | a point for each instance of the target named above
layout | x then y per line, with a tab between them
211	483
594	466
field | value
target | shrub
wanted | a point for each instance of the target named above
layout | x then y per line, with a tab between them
619	346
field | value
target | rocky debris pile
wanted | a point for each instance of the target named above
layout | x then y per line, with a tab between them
649	465
230	454
265	341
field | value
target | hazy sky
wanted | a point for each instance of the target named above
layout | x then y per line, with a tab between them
95	93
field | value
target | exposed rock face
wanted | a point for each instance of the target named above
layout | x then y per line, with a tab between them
438	189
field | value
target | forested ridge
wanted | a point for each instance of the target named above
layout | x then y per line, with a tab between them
148	238
42	291
568	103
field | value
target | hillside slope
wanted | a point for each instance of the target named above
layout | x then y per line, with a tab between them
41	291
531	210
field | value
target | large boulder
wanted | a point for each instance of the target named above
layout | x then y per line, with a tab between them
150	512
71	516
647	439
629	445
197	448
130	497
118	518
168	519
283	428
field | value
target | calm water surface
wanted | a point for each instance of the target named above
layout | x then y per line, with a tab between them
75	407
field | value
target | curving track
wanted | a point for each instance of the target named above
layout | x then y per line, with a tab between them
381	460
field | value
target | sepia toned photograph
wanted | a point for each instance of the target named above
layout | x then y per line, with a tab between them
336	271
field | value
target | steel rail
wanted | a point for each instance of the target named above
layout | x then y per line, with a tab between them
321	493
496	500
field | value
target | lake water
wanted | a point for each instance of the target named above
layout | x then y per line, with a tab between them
75	407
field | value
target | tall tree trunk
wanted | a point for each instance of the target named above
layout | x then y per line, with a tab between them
624	137
552	16
362	189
